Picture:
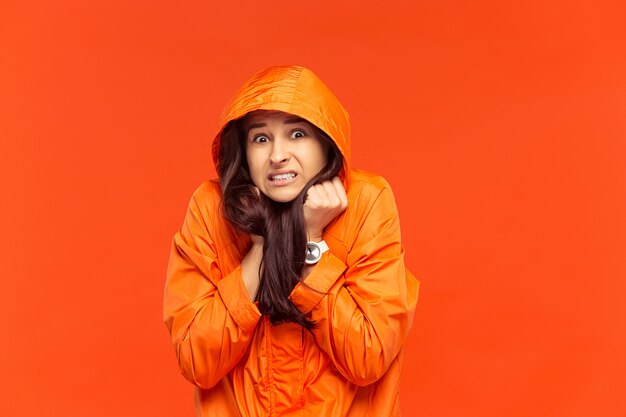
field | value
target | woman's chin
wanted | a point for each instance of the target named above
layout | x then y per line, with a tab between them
282	194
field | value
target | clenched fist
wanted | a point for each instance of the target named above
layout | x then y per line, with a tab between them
323	203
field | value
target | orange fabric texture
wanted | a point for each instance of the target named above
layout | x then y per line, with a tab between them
360	294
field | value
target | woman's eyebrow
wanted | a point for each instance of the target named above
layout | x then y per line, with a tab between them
292	120
256	125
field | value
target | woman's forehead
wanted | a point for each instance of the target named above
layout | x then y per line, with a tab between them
260	117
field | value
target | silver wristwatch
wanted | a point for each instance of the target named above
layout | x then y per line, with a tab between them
314	251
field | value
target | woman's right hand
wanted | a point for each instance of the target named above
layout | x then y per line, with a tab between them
323	203
251	264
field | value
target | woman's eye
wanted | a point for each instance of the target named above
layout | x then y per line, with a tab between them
260	139
297	134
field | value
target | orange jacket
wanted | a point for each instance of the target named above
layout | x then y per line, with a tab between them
363	298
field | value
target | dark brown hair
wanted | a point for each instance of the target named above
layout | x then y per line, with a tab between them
281	224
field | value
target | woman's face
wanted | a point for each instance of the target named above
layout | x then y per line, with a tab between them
283	153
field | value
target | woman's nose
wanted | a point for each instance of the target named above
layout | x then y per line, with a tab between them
280	152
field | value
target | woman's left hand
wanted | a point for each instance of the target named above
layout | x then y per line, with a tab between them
323	203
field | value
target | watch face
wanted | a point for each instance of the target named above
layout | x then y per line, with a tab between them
313	253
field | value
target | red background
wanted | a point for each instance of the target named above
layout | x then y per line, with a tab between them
500	125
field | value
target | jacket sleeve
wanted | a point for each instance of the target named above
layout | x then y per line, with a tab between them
363	310
210	317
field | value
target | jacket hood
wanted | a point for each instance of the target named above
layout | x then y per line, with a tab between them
296	90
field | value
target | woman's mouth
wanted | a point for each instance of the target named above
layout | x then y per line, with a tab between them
284	178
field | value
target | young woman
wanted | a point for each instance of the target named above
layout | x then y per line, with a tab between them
286	290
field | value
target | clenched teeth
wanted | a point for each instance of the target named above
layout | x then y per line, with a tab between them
280	177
